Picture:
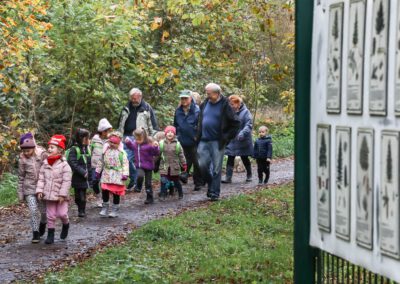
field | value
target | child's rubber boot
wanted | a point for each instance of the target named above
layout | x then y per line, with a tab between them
36	237
64	231
42	229
149	198
114	211
50	236
104	209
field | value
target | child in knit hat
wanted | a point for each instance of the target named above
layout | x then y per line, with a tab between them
53	187
172	163
113	168
145	150
30	161
96	146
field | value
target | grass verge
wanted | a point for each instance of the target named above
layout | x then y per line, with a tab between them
245	239
8	189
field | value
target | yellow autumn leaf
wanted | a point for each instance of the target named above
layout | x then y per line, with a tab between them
175	71
165	34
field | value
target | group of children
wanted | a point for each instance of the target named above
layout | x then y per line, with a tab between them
45	177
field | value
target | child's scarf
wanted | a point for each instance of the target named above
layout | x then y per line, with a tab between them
52	159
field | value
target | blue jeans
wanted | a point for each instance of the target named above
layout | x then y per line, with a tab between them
131	159
210	162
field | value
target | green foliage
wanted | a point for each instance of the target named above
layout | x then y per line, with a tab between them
8	190
283	139
245	239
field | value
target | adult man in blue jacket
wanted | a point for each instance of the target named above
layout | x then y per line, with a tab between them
218	124
185	121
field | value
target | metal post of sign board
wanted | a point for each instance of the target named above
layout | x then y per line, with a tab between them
304	255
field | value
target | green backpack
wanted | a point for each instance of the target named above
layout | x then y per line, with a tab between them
178	147
78	153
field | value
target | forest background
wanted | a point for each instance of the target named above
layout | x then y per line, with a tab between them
68	63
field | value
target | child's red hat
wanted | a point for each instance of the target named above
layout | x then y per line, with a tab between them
58	140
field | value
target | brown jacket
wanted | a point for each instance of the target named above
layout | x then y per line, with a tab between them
28	172
54	181
171	159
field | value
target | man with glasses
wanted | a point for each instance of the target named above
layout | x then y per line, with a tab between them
218	124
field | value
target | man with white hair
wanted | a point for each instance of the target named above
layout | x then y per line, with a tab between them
218	124
136	114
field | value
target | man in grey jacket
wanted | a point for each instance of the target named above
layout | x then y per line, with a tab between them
136	114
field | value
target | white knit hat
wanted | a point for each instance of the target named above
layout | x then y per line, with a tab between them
103	125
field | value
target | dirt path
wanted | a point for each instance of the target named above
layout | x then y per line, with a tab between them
19	259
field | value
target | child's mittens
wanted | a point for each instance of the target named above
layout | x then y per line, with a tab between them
124	177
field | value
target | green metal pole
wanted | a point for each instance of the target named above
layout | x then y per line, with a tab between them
304	255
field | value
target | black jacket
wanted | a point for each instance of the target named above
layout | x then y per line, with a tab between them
263	148
80	168
230	123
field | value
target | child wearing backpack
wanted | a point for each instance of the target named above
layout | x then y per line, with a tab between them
96	147
53	187
79	159
145	151
114	171
172	161
30	161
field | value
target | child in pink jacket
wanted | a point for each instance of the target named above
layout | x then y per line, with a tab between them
30	161
53	187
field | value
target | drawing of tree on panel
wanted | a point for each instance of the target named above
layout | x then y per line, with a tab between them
355	32
340	165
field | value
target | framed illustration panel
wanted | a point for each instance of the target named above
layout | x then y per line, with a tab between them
364	194
397	71
379	57
355	57
334	66
324	177
343	182
389	224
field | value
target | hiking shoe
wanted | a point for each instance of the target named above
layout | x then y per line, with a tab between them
197	188
136	189
214	198
149	199
36	237
260	181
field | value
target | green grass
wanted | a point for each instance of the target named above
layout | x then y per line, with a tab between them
8	189
246	239
283	146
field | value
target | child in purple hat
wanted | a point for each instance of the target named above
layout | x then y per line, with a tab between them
30	161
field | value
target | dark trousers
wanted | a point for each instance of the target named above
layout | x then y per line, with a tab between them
145	175
192	159
246	163
95	182
80	195
106	197
263	167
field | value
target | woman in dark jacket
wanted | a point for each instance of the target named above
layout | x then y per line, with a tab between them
79	159
242	144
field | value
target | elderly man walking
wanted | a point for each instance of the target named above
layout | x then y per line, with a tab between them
218	124
136	114
185	121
